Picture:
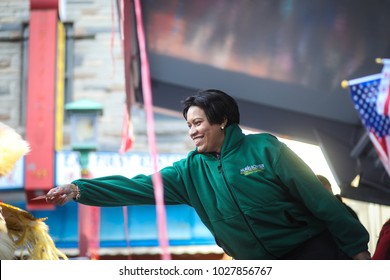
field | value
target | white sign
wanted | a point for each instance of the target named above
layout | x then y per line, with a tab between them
109	163
100	164
67	167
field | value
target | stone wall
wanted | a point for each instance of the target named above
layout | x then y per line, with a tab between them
98	74
12	15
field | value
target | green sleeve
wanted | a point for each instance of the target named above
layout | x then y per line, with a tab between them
121	191
303	185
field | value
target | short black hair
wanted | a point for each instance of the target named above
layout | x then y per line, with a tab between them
216	104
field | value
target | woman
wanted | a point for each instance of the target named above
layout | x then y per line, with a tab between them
258	198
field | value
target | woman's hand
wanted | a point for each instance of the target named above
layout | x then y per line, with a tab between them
62	194
363	256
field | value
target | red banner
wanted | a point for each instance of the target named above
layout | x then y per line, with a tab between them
41	92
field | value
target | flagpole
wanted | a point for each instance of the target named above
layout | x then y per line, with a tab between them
346	84
382	60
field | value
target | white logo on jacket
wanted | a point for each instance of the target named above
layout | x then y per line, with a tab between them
252	169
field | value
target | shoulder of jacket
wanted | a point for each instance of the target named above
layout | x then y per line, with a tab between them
264	136
265	141
184	161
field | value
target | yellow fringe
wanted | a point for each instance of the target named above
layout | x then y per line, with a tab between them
30	234
12	148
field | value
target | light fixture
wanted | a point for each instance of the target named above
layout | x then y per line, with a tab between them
84	125
84	128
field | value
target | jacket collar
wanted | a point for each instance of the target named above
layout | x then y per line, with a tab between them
233	137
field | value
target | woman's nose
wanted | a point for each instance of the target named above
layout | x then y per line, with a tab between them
192	131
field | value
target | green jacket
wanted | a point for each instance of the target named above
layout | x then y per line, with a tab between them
258	198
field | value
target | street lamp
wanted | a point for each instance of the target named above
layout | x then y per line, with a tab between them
84	134
84	128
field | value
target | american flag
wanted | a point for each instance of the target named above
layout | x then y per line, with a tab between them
383	101
364	92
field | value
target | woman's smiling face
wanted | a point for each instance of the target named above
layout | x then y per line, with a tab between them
207	137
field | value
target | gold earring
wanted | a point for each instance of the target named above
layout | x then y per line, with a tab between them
222	127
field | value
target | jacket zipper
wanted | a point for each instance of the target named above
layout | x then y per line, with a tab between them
238	206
